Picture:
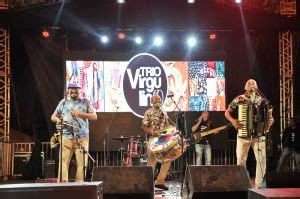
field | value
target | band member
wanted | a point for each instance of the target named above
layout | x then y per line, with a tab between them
291	144
257	143
203	123
154	122
73	113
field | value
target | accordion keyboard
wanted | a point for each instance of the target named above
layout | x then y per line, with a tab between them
242	118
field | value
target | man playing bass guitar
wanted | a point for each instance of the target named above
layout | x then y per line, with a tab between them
202	124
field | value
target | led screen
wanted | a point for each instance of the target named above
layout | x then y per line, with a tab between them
129	85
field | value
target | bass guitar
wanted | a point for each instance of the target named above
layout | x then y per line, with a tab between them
197	136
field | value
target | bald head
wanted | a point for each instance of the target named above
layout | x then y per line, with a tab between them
156	101
251	86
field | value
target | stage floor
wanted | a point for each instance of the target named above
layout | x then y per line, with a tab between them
174	190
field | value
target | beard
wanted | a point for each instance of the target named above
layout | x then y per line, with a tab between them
74	96
251	89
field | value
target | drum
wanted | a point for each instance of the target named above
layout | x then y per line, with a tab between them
127	161
168	146
133	148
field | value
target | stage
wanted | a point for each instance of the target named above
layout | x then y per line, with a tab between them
131	83
67	189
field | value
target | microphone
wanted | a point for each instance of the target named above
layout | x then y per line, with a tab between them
117	107
66	94
170	95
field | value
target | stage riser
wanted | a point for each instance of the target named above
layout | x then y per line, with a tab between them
212	195
52	191
274	193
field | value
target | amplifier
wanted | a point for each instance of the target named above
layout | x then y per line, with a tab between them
19	161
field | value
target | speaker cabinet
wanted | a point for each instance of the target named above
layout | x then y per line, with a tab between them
283	180
216	181
125	182
86	190
19	162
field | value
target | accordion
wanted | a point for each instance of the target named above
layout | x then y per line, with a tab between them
254	119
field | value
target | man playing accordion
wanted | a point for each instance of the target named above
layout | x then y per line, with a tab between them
256	121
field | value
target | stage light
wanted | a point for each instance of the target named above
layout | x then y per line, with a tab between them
121	36
120	1
138	40
158	41
212	36
45	34
238	1
104	39
191	41
191	1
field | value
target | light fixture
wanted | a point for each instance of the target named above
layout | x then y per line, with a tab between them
191	41
158	41
212	36
122	36
104	39
45	34
120	1
138	40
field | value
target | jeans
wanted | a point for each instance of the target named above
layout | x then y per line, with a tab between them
199	152
285	154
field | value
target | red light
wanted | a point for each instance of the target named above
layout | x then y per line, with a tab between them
46	34
121	36
212	36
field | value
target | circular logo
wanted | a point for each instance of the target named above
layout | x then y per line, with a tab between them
143	77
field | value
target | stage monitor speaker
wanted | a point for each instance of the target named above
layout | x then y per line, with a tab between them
216	181
125	182
86	190
283	180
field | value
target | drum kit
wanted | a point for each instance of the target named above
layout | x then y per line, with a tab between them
136	151
166	147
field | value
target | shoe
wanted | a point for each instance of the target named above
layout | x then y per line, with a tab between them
161	186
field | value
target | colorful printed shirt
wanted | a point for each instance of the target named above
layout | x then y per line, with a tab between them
74	127
257	101
244	99
154	119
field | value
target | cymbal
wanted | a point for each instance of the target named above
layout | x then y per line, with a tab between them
138	137
121	138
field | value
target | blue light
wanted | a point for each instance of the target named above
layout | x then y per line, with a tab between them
158	41
191	41
138	40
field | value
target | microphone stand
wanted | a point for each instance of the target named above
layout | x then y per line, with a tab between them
106	135
84	151
179	126
266	108
61	135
